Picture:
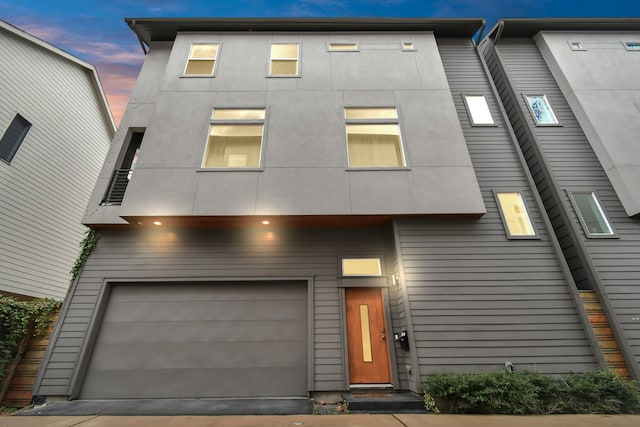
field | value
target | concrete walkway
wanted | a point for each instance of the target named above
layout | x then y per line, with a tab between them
354	420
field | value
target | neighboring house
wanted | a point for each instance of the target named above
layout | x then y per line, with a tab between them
55	131
304	192
571	88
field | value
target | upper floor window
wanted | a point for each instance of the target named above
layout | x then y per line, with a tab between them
408	46
478	110
13	137
373	137
514	215
202	59
632	45
235	138
591	215
285	58
575	45
541	110
342	47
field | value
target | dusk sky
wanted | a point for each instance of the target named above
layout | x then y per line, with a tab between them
95	32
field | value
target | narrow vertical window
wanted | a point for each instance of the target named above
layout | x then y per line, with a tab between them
373	137
13	137
591	215
235	139
202	59
478	110
541	110
284	59
515	215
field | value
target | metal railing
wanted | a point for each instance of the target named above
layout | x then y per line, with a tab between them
117	187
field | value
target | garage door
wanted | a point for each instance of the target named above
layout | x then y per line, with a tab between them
238	339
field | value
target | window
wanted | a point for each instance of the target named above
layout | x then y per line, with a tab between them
343	47
632	45
514	215
590	213
408	46
235	139
541	110
373	137
478	110
576	45
202	59
361	267
13	137
284	59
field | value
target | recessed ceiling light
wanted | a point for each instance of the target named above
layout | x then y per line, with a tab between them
157	223
265	222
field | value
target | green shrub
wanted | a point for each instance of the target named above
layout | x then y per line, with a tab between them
519	393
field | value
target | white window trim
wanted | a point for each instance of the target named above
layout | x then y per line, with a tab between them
213	121
356	49
630	49
583	223
466	105
215	61
396	121
533	116
505	225
298	61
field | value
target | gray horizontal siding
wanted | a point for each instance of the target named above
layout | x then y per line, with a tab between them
162	255
46	187
571	163
476	298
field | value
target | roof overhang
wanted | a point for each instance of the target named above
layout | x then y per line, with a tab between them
518	28
165	29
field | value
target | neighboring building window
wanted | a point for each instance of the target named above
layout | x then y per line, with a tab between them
514	215
13	137
373	137
284	59
479	111
343	47
591	215
235	139
541	110
576	45
361	267
202	59
408	46
632	45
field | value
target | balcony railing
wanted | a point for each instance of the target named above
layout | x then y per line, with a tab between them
117	187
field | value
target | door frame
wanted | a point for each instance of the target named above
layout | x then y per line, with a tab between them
393	366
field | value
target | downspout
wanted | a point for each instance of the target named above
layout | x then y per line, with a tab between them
135	30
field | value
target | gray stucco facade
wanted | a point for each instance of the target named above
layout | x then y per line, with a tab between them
469	294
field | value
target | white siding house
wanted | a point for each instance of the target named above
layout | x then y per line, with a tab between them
55	130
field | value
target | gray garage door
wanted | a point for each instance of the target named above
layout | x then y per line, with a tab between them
242	339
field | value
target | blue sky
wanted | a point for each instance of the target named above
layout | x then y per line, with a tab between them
94	30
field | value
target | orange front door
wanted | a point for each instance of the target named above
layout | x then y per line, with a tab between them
367	337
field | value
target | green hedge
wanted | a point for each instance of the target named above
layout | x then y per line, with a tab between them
518	393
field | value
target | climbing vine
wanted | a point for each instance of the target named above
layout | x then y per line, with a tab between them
86	247
20	318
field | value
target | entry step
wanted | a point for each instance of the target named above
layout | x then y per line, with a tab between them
384	402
